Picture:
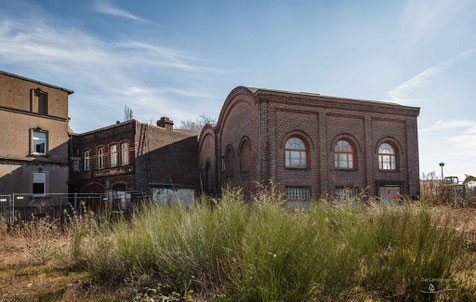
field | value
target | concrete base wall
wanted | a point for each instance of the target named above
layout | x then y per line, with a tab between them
165	195
16	177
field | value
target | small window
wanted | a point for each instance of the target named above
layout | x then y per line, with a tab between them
346	193
295	153
386	157
343	155
39	102
113	152
75	165
42	102
125	153
39	142
86	160
39	184
297	193
100	160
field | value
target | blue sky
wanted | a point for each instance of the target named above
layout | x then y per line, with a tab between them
181	58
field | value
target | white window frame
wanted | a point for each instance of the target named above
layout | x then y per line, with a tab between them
346	193
44	183
75	165
100	161
113	155
297	193
87	161
35	139
125	154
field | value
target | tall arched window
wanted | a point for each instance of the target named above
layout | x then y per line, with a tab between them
229	167
295	153
386	157
245	156
113	155
86	160
343	155
100	160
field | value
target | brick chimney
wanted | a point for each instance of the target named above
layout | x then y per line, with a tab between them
166	123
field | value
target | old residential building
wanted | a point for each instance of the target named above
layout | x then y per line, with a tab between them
136	157
34	132
309	144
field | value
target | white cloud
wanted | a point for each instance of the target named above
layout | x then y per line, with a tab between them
105	74
459	134
422	20
451	125
402	93
106	7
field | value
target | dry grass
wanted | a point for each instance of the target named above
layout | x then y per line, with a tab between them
37	263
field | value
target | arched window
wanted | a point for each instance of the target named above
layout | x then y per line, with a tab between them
86	160
229	157
386	157
245	156
343	155
113	155
125	154
100	160
295	153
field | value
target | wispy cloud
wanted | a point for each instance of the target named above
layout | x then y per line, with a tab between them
107	7
105	74
460	134
422	20
402	93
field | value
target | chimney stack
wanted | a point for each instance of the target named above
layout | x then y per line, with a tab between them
166	123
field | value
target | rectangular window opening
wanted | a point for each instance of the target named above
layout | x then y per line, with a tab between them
39	142
39	184
297	193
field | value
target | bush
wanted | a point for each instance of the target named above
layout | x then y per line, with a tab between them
231	250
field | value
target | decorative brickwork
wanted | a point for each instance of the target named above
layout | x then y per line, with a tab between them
267	118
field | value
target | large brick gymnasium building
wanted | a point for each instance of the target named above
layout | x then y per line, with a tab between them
309	145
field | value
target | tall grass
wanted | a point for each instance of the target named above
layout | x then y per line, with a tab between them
231	250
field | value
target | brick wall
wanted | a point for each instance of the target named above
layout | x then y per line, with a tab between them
165	158
103	179
270	117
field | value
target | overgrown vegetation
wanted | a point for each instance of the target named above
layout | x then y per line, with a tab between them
232	250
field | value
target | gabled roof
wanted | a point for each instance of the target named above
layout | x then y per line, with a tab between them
69	91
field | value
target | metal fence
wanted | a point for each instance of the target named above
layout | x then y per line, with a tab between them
24	206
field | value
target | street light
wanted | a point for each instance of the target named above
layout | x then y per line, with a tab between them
442	164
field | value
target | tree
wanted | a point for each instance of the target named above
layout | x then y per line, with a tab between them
198	124
128	114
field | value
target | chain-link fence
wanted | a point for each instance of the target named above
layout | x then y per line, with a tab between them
26	205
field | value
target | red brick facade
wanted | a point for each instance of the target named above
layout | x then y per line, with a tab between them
158	157
248	143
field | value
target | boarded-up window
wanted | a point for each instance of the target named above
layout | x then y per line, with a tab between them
229	158
39	184
245	157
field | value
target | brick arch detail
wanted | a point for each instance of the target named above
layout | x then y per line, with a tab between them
301	134
348	137
393	141
94	183
236	96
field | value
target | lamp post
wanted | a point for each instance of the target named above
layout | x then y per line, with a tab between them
442	164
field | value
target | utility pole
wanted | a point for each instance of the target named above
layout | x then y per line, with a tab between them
442	164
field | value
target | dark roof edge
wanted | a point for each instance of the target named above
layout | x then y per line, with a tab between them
69	91
128	122
257	91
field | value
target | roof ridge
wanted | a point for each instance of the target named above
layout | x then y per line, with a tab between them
69	91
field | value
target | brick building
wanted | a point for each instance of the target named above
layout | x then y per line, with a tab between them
135	157
34	131
309	144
